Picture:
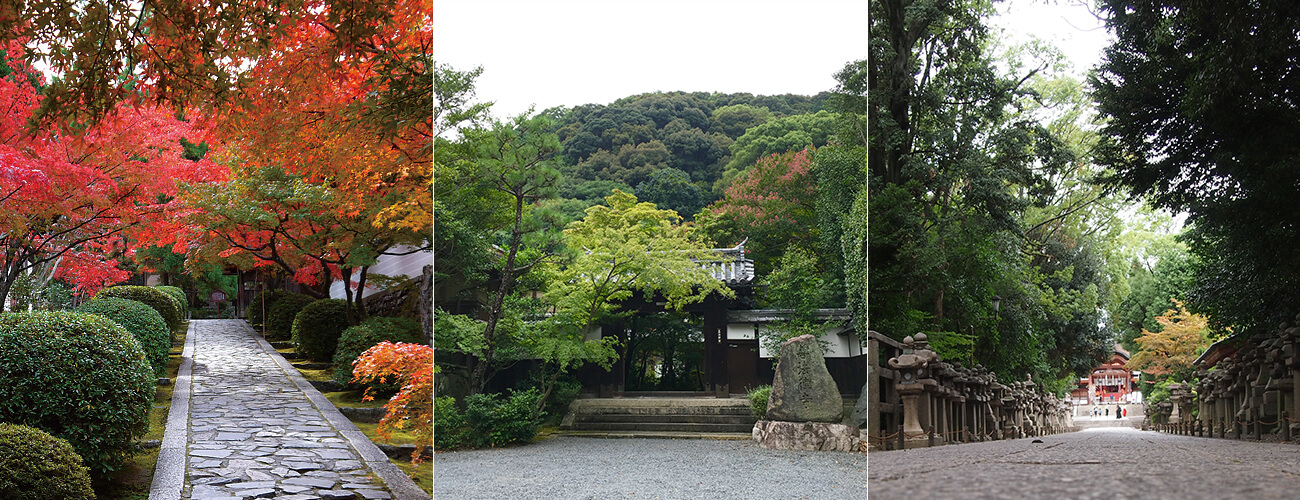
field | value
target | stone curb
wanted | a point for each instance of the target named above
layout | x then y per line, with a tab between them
169	473
715	436
398	483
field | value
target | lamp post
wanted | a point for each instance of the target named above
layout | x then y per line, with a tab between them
997	302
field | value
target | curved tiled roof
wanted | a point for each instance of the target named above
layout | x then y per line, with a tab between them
731	266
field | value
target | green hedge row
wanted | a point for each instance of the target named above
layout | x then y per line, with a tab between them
37	466
80	377
317	327
357	339
159	300
142	321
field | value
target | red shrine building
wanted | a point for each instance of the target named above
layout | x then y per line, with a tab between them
1109	382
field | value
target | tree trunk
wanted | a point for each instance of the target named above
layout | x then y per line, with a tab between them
479	377
425	304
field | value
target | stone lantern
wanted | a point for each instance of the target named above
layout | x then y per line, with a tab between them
912	381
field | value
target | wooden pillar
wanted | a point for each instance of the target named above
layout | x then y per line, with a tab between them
715	346
873	386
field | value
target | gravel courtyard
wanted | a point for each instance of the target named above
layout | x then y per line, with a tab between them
591	468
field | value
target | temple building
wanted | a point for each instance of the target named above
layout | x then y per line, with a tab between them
1109	382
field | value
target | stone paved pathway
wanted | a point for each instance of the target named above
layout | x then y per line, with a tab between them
254	434
1103	463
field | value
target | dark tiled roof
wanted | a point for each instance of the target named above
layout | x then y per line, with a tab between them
731	266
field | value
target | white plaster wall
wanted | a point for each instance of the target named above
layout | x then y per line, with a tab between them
841	346
390	265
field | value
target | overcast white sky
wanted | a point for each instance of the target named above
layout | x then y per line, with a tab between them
569	52
1068	25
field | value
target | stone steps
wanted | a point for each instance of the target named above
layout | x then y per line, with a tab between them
660	415
666	418
663	427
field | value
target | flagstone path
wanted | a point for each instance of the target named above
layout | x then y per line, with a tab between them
257	429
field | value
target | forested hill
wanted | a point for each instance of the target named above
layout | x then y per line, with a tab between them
678	150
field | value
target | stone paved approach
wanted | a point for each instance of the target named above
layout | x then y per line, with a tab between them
255	432
1102	463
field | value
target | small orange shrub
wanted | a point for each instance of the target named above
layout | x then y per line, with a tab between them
412	365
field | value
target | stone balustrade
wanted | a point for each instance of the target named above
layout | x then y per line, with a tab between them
1245	389
942	403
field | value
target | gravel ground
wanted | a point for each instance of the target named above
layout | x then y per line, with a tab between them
1103	463
592	468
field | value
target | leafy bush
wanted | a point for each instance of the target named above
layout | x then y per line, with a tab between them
157	299
452	423
357	339
317	327
37	466
255	314
182	302
495	423
142	321
758	400
80	377
412	364
279	318
565	391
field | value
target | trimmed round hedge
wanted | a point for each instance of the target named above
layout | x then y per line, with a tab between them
182	303
279	318
375	329
80	377
157	299
255	315
142	321
37	466
317	327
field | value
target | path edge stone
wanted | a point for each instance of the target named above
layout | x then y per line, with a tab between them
399	484
169	472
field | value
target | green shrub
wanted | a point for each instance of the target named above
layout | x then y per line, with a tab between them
356	339
255	314
37	466
80	377
495	423
758	400
279	318
448	424
157	299
563	392
317	327
142	321
178	295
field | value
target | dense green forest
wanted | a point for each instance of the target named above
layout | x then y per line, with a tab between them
706	170
1017	214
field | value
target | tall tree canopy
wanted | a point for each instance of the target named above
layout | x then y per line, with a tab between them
195	54
1200	99
968	198
75	198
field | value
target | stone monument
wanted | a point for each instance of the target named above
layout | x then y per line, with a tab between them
805	407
